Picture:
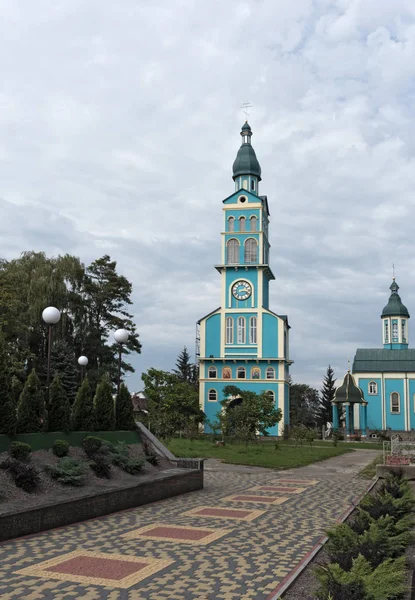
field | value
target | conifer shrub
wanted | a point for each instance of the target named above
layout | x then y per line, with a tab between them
8	416
83	416
124	413
59	413
382	504
101	465
25	476
153	460
31	411
91	445
20	450
104	406
70	471
60	448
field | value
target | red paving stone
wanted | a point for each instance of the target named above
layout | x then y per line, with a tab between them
274	488
269	499
88	566
177	533
223	512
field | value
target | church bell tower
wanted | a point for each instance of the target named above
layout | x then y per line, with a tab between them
243	342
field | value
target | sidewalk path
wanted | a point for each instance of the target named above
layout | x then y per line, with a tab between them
237	538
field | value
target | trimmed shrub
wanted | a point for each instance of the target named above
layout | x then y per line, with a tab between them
129	465
31	411
382	504
124	414
153	460
20	450
24	476
104	406
101	465
59	410
70	471
8	416
91	444
83	416
60	448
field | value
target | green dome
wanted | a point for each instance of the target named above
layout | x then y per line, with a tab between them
394	307
246	162
348	391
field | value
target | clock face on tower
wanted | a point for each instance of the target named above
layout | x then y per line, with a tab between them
241	290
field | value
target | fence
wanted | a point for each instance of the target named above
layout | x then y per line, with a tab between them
398	452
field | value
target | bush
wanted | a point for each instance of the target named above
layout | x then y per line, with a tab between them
69	471
59	410
20	450
60	448
8	416
25	476
31	411
101	465
104	406
91	444
382	504
153	460
129	465
124	413
83	416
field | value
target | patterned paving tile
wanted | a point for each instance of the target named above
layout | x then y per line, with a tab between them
276	488
174	533
258	499
298	481
224	513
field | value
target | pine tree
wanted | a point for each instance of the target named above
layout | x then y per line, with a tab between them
104	406
7	405
325	411
31	411
184	369
124	410
63	363
59	415
83	416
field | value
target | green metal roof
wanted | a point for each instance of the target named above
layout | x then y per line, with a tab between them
246	162
348	391
246	126
381	360
394	307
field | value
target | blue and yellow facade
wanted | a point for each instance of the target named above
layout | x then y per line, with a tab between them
387	375
243	342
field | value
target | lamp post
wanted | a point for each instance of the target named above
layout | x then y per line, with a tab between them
51	316
121	337
82	362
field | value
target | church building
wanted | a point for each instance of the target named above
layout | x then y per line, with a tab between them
386	375
243	342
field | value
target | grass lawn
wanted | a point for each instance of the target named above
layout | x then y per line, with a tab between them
258	455
370	470
361	445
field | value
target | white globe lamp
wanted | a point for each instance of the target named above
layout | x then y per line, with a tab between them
82	361
51	315
121	336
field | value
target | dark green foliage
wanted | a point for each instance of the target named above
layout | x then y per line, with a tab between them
383	504
304	403
324	412
20	450
129	465
395	485
185	369
24	476
31	412
91	445
153	460
8	416
83	415
70	471
63	363
101	465
60	448
124	410
59	414
104	406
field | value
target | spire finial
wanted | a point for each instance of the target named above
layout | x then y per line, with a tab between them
245	108
348	365
393	270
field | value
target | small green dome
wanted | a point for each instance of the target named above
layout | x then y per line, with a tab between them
394	307
349	392
246	162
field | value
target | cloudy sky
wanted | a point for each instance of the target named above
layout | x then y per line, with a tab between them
119	123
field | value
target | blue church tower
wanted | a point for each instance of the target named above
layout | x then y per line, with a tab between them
243	342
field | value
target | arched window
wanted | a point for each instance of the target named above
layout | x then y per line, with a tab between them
252	330
251	251
271	394
229	330
242	224
373	388
212	396
253	185
231	224
241	330
386	332
232	248
394	331
395	403
403	331
270	373
212	373
240	373
252	223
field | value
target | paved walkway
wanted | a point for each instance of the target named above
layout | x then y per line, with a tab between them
237	538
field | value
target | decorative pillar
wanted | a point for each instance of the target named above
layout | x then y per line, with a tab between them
351	411
364	419
335	410
347	411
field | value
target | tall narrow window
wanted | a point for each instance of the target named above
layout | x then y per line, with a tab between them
252	330
240	373
231	224
270	373
253	185
251	251
213	396
373	388
232	247
403	323
395	403
241	330
242	224
229	330
271	394
252	223
386	332
212	373
395	331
